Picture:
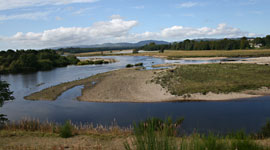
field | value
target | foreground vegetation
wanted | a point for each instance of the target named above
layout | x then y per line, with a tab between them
216	78
152	134
32	60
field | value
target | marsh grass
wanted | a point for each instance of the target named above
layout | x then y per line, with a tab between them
265	131
155	134
66	130
69	128
216	78
152	134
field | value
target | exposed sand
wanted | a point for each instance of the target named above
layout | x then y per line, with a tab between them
133	85
130	85
204	58
126	85
258	60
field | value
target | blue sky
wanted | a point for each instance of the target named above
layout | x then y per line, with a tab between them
50	23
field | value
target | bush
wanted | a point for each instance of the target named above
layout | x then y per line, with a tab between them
265	131
155	134
139	64
66	130
135	51
129	65
98	62
245	145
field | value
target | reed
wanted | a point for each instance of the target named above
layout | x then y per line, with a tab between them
35	125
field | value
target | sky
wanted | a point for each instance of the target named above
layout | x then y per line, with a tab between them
37	24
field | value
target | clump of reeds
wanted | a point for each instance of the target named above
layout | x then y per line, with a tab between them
155	134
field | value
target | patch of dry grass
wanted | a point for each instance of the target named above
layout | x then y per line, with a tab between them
174	54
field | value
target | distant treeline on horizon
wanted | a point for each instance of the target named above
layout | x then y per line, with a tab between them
224	44
203	44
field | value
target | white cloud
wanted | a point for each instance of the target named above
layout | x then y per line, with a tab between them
12	4
97	33
115	30
27	16
188	4
221	30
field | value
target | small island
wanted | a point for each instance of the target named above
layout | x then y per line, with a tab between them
96	61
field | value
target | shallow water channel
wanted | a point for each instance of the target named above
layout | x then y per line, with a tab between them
249	114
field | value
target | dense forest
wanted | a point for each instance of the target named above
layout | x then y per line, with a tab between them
224	44
23	61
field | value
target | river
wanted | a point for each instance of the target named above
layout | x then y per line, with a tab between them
248	114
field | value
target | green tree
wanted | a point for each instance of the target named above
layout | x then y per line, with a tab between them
5	95
244	44
267	41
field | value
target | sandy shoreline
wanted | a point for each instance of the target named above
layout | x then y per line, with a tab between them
130	85
133	85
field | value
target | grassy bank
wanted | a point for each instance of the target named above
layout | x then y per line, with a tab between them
152	134
176	54
216	78
170	54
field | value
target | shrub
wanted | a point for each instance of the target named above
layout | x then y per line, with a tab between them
139	64
245	145
265	130
98	62
129	65
66	130
135	51
154	134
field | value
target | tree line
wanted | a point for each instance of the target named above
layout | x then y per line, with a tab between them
99	49
23	61
224	44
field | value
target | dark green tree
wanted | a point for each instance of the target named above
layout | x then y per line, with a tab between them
5	95
244	44
267	41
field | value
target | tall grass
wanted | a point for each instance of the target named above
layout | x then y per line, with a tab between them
33	125
154	134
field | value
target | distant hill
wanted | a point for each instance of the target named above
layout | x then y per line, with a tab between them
117	45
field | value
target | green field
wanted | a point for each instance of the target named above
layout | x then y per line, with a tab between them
216	78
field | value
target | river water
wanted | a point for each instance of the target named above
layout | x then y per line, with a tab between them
248	114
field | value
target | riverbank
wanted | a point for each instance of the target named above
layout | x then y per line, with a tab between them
42	141
205	82
36	135
178	54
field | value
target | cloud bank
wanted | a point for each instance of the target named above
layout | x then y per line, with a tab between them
115	30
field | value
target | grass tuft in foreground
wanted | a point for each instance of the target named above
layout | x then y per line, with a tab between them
154	134
216	78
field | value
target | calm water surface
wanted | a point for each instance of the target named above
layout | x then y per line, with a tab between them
248	114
